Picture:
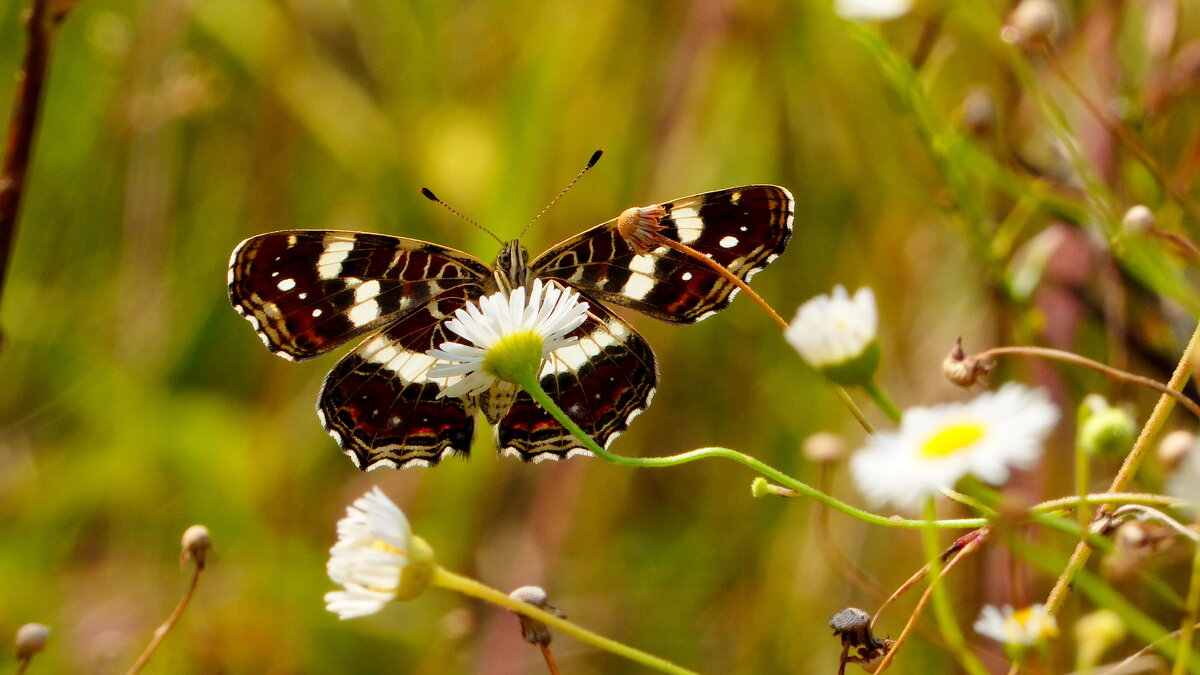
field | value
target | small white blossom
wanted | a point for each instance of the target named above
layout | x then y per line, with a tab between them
935	447
872	9
371	552
833	330
1017	628
550	313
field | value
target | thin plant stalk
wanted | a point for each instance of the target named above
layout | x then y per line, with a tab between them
529	382
1188	628
40	23
1116	374
467	586
548	656
1158	417
160	633
943	610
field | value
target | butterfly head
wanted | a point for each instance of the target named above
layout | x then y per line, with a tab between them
512	266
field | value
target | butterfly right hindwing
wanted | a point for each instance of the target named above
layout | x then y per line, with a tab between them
601	382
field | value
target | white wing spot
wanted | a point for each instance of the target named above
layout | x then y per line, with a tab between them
366	308
316	313
287	284
687	235
687	276
641	282
303	296
728	241
329	264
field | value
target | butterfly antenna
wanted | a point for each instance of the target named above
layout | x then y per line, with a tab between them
591	162
433	198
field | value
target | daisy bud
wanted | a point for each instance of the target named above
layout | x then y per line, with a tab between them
31	639
1174	447
824	447
1104	430
836	335
196	545
1138	219
963	369
978	111
376	558
533	631
1032	22
1095	634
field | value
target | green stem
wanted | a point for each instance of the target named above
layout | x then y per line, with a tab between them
881	399
942	609
530	383
1188	629
467	586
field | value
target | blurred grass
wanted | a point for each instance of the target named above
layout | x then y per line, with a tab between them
137	402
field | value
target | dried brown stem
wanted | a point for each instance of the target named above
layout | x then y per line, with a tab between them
40	22
549	657
1114	373
161	632
970	540
972	544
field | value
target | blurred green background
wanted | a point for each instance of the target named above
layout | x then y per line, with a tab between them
136	402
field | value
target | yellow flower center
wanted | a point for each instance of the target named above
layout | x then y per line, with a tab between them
952	439
514	355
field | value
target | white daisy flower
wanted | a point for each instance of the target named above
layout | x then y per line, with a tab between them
1017	628
836	335
935	447
507	333
376	558
872	9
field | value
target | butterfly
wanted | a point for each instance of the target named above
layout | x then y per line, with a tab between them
306	292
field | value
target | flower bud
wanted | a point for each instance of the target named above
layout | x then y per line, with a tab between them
1174	447
31	639
1095	634
835	334
533	631
1032	22
1138	218
963	369
1104	430
824	447
196	545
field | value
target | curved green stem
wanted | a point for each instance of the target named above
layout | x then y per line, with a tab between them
942	609
467	586
529	382
881	399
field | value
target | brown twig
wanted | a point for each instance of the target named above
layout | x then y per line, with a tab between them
974	541
550	664
31	81
971	540
1114	373
161	632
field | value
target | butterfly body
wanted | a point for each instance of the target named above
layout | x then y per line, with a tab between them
306	292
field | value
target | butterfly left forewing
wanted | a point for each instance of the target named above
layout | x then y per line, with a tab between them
601	382
380	404
306	292
743	228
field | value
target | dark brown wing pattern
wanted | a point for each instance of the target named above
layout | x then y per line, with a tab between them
601	382
743	228
379	404
307	291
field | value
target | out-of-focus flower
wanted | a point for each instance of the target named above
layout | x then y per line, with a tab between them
872	9
1019	629
935	447
31	639
509	335
836	335
376	558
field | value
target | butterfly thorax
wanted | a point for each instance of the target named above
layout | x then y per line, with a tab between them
512	267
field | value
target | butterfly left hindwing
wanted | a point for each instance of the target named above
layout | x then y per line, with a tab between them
307	292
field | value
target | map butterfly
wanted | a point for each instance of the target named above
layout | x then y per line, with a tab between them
306	292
